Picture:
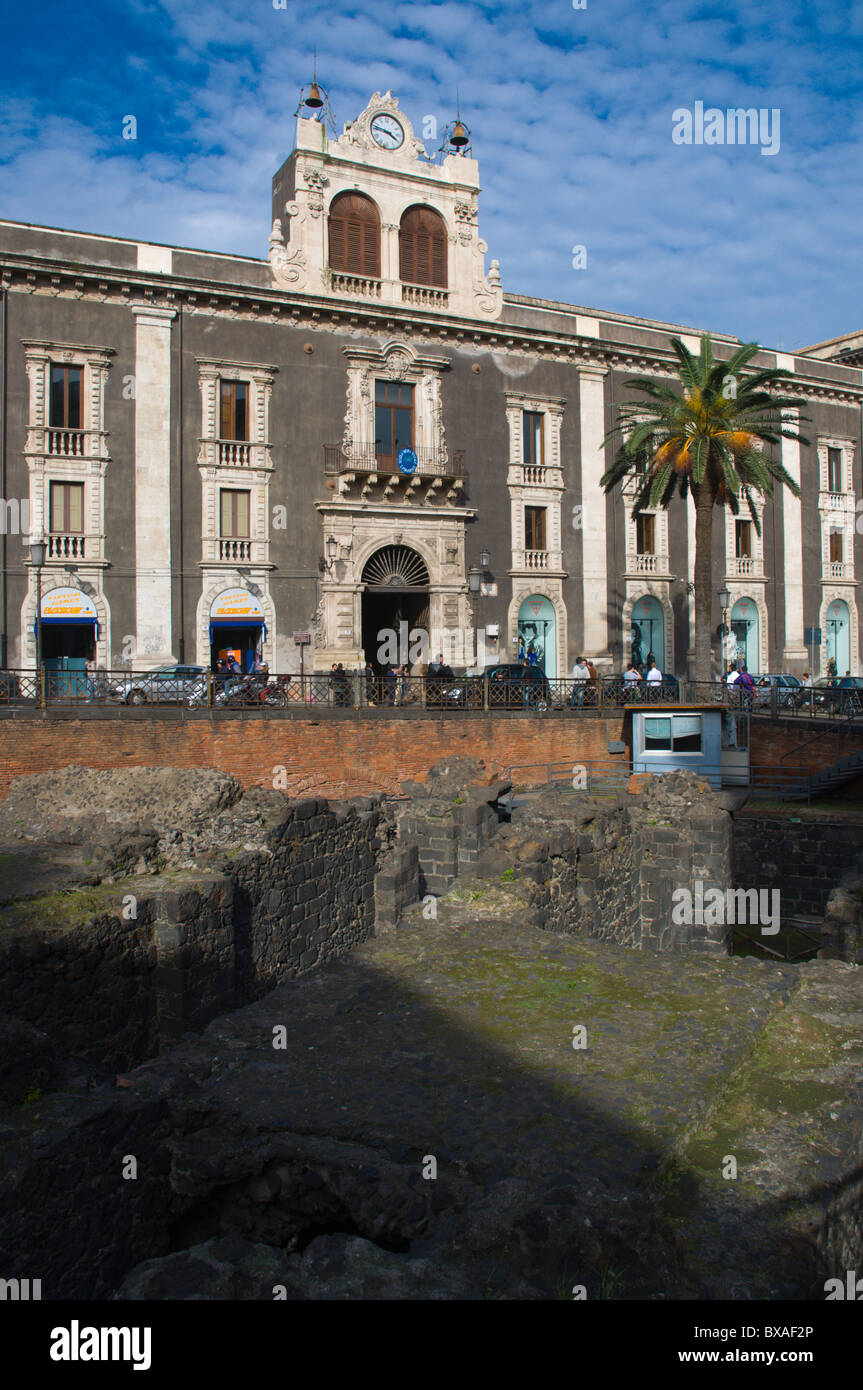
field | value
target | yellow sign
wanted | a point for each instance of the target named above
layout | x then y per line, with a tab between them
236	603
68	603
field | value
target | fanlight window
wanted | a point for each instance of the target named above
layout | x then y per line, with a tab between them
423	248
395	567
355	236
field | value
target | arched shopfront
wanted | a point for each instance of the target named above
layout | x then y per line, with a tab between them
837	635
69	629
236	627
537	632
745	628
647	632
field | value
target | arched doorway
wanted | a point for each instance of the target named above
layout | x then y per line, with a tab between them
237	629
647	633
837	635
69	624
537	633
395	603
746	630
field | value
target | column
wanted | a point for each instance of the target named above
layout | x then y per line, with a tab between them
792	529
152	486
594	544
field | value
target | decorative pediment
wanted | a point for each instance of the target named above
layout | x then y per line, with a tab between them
359	131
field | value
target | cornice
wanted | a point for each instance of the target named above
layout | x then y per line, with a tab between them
140	289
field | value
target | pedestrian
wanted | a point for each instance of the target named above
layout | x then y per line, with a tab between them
654	675
403	684
370	682
733	674
580	676
390	683
632	676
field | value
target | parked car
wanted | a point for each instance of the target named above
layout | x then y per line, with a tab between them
841	695
166	685
789	691
517	687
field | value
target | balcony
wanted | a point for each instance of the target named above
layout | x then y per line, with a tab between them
66	547
357	286
234	453
233	549
365	458
740	566
836	501
64	443
536	561
838	569
425	296
533	474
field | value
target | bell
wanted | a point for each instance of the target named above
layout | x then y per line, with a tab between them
459	137
314	99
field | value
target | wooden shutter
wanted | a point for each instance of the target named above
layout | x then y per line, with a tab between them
227	405
355	236
422	248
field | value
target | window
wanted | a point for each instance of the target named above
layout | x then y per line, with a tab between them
645	535
534	528
681	733
834	470
355	236
394	419
743	539
233	398
836	548
65	403
532	437
422	248
235	509
67	508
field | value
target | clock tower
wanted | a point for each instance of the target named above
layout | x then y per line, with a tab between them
368	216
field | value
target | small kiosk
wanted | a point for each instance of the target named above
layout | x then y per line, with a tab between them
711	740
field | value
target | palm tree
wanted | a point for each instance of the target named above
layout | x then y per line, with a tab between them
710	439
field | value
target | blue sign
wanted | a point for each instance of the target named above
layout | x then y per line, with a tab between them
812	637
407	461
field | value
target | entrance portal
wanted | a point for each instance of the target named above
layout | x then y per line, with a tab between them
395	603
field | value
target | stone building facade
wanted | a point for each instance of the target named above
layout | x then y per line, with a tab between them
224	452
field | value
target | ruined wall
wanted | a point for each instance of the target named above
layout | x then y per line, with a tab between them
113	991
804	860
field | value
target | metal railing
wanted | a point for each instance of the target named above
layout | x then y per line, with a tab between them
536	695
367	457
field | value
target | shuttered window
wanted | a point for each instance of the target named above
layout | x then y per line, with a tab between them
67	508
534	528
355	236
422	248
65	404
235	508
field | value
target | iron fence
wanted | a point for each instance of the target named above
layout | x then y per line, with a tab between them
195	688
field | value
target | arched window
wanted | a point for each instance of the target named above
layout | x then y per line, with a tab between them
355	236
422	248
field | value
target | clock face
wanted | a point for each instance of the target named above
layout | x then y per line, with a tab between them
387	132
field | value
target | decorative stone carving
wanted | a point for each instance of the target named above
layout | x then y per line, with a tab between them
289	267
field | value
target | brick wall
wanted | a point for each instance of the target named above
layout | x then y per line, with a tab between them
342	756
331	757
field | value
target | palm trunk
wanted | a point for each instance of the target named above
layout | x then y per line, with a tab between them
703	580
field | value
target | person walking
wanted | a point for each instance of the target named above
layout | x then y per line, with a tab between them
369	675
390	683
580	677
632	676
653	678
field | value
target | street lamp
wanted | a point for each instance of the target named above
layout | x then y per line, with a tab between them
724	604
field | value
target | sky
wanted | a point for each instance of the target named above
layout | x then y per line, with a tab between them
572	111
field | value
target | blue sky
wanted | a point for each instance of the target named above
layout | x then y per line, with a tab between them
571	117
